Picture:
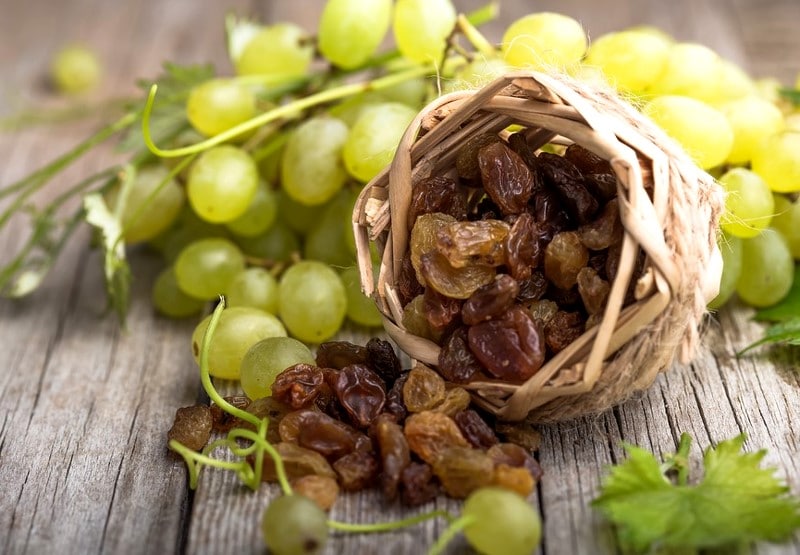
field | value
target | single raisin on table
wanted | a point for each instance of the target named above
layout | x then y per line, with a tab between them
382	360
418	484
506	178
361	392
394	453
473	243
356	471
338	354
513	478
475	429
490	300
298	386
322	490
423	390
192	426
563	259
457	363
429	434
437	194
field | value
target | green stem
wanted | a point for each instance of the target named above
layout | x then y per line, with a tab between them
446	537
476	38
34	117
259	439
195	460
386	526
286	110
682	457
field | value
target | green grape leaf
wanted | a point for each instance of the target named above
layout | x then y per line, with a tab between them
793	95
786	332
117	271
736	502
788	308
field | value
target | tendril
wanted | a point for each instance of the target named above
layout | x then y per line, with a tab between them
456	526
386	526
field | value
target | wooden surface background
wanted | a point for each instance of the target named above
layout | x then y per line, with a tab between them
84	405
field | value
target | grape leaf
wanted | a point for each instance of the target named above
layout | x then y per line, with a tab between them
788	308
786	332
736	502
793	95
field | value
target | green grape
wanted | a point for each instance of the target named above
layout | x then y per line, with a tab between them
502	523
260	214
374	137
294	525
632	60
733	83
476	74
792	122
170	301
222	183
298	217
311	168
268	358
144	218
703	131
189	228
421	28
752	119
543	41
327	239
770	269
411	92
277	244
239	329
690	70
312	301
349	109
777	160
360	308
254	287
75	69
282	49
748	206
787	222
219	104
205	267
351	30
731	249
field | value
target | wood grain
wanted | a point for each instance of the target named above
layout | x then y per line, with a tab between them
84	405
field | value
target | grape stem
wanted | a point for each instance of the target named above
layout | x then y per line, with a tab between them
451	532
387	526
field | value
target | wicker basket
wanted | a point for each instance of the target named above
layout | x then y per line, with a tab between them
675	227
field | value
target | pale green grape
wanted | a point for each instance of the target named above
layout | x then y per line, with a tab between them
731	249
239	328
277	244
372	141
360	308
75	69
777	160
294	525
733	83
260	214
752	119
205	267
476	74
411	92
144	218
169	300
298	217
189	228
219	104
282	49
327	239
703	131
792	122
544	40
268	358
351	108
787	222
748	206
312	301
421	28
222	183
351	30
770	269
690	70
311	168
502	523
632	60
254	287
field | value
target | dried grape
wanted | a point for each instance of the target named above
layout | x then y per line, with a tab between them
506	178
562	329
475	429
361	392
457	363
297	462
192	426
594	290
490	300
356	471
473	243
513	478
382	360
455	400
338	354
568	182
523	249
298	385
394	453
563	259
467	159
418	484
462	470
511	348
437	194
429	434
605	230
423	238
586	161
456	283
423	390
322	490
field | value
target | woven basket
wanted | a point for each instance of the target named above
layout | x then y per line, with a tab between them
675	226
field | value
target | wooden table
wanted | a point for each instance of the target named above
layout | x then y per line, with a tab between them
85	405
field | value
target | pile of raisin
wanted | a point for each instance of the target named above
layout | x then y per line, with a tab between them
511	259
357	420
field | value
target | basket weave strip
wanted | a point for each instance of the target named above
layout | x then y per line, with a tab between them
668	207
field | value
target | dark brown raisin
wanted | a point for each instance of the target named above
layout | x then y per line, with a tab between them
328	437
338	354
407	284
562	329
586	161
567	181
563	259
457	363
356	471
418	484
472	243
394	452
550	214
361	392
490	300
467	159
486	209
394	400
475	429
192	427
605	230
602	185
523	248
382	360
298	386
506	178
224	421
441	312
437	194
519	144
533	288
423	390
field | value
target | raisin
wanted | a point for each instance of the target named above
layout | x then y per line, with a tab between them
605	230
407	284
423	238
437	194
602	185
356	471
486	210
586	161
562	329
515	455
322	490
597	262
297	462
543	310
382	360
593	289
475	429
423	390
462	470
456	283
467	159
506	178
298	386
490	300
550	215
457	363
563	259
394	400
523	249
455	400
519	144
566	299
429	434
327	436
272	409
520	433
567	181
416	322
513	478
361	392
192	427
511	348
224	421
394	453
338	354
473	243
533	288
441	312
419	485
